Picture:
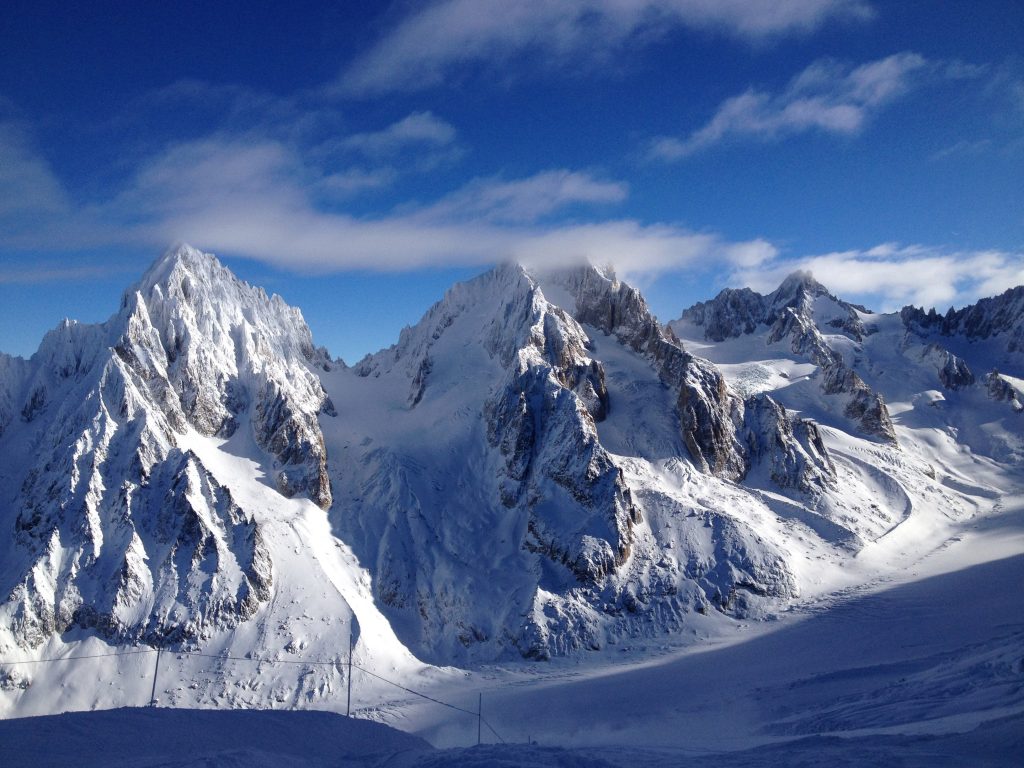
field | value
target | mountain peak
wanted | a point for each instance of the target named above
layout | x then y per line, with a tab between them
181	261
796	283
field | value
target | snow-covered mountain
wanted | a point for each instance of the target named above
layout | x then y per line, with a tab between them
536	468
839	362
126	518
495	482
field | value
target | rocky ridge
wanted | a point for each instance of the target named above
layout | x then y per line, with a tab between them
1000	316
725	435
802	312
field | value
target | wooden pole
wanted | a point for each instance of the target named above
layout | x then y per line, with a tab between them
348	709
156	671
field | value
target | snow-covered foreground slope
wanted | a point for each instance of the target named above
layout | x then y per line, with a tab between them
538	470
927	672
132	738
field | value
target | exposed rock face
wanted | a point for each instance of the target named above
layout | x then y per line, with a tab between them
796	312
540	418
953	372
537	489
226	349
791	449
707	410
1000	389
165	555
732	313
716	424
738	312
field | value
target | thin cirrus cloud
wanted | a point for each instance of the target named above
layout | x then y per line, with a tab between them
419	129
892	273
28	186
827	96
437	40
524	200
417	143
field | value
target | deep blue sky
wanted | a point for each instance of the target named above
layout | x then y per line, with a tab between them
358	157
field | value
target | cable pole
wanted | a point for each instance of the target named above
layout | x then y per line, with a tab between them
348	710
156	671
479	717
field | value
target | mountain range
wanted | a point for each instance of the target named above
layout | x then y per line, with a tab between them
539	468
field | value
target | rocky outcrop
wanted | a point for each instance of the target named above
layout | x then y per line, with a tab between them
229	353
707	409
953	372
732	313
544	473
795	312
790	449
711	416
124	534
738	312
1001	390
556	467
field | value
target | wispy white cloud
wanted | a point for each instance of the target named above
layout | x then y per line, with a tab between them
962	148
639	252
350	162
447	36
419	129
827	96
251	200
264	199
899	275
51	273
352	181
524	200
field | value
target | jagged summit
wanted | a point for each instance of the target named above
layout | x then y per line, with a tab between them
108	411
181	256
799	281
998	316
739	311
185	281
